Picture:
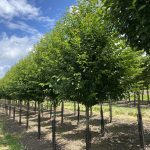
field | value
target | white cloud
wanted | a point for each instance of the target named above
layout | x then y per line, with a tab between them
13	49
13	14
49	22
13	8
19	25
22	9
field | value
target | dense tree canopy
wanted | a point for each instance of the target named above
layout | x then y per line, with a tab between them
131	18
79	60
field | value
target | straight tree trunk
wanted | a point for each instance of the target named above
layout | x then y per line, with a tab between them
14	112
140	125
102	120
51	107
39	120
147	90
9	108
88	137
54	127
27	115
110	111
134	99
62	112
129	97
20	112
78	115
74	108
142	95
91	112
5	106
42	109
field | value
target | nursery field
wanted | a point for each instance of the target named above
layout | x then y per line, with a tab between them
121	134
82	85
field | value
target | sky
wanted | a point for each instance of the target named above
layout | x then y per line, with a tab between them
22	24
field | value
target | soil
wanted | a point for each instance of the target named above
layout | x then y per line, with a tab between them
121	134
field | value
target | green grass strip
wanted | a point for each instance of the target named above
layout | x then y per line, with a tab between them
8	141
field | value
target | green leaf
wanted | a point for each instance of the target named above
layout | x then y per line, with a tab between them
142	7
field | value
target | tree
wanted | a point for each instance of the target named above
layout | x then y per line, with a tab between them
94	65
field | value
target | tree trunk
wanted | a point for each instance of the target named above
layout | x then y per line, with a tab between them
102	120
39	120
88	136
147	90
9	108
140	125
110	111
14	111
129	97
20	111
62	112
51	110
42	109
74	108
54	128
27	115
142	95
134	99
6	106
78	115
91	112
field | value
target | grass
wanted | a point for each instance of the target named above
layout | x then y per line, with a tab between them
145	98
117	110
8	141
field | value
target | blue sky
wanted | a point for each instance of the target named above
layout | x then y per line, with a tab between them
22	23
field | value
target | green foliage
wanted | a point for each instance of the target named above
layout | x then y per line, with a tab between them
96	65
80	60
146	72
131	18
22	81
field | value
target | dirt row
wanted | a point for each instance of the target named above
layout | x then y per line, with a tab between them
122	133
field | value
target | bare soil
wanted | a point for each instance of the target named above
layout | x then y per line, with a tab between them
121	134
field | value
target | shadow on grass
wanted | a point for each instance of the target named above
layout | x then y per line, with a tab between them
119	137
31	142
96	122
65	127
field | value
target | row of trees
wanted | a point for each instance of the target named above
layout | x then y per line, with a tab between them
83	59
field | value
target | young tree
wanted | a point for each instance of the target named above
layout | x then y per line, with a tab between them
94	65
